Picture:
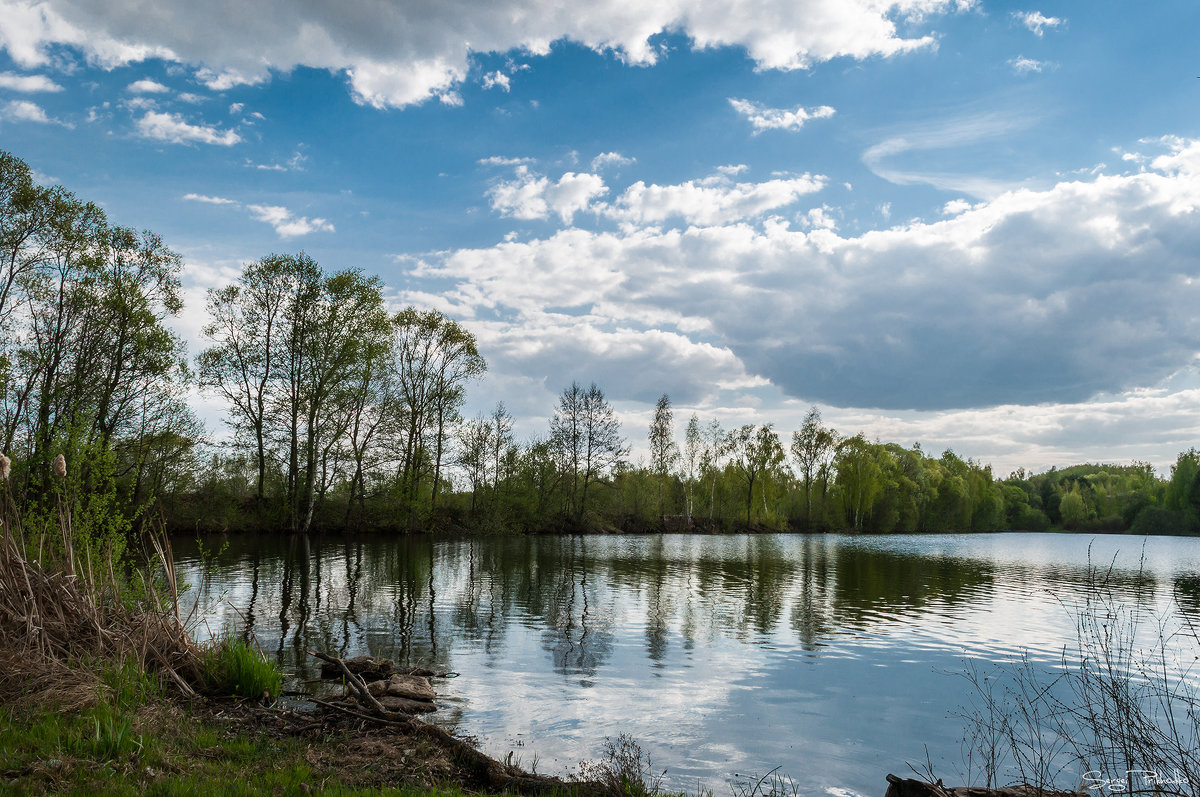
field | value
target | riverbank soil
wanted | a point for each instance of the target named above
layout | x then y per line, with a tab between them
126	744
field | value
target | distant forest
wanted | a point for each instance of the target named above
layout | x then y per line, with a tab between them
347	417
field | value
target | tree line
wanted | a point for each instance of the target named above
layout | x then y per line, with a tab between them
342	414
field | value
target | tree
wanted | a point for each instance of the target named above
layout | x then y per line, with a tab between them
693	446
86	359
301	357
246	330
752	453
664	453
434	358
812	446
859	478
587	436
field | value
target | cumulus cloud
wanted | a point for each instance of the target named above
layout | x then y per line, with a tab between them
26	111
716	199
1050	296
533	196
713	200
174	129
763	118
407	52
1036	21
286	223
613	159
146	86
497	80
27	84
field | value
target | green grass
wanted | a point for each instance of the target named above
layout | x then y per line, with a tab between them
233	667
111	751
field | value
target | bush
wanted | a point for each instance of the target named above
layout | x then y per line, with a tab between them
1031	519
1157	520
235	668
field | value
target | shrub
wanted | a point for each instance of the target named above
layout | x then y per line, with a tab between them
1157	520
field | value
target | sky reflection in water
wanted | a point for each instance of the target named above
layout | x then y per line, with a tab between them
833	657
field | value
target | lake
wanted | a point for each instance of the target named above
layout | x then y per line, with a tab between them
837	658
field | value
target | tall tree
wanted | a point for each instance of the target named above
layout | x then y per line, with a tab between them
587	435
812	446
752	453
86	358
664	452
434	358
241	366
693	446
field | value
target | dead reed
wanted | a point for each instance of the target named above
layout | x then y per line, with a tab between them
1122	713
66	608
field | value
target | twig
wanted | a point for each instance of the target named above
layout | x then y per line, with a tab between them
402	723
356	683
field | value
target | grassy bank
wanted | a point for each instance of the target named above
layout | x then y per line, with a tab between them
136	739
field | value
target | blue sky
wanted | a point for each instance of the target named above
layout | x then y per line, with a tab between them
968	224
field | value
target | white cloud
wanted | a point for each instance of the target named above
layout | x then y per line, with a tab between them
1046	297
27	84
1024	66
614	159
146	86
945	134
26	111
763	118
956	206
713	200
287	224
497	80
294	163
533	196
1036	21
173	129
500	160
407	52
235	108
211	200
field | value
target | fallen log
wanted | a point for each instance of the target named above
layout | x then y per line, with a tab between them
910	787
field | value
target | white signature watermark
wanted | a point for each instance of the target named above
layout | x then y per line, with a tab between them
1135	781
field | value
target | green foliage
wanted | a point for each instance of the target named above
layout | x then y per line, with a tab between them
1160	520
113	738
233	667
1030	519
128	685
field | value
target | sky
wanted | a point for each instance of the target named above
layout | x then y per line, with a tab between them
960	223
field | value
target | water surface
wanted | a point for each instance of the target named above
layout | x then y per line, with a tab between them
836	658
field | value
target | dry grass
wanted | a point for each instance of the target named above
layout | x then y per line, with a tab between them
1122	714
63	604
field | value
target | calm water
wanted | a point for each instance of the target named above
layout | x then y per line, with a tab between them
832	657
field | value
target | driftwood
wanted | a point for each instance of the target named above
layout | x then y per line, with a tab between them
359	686
372	669
909	787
